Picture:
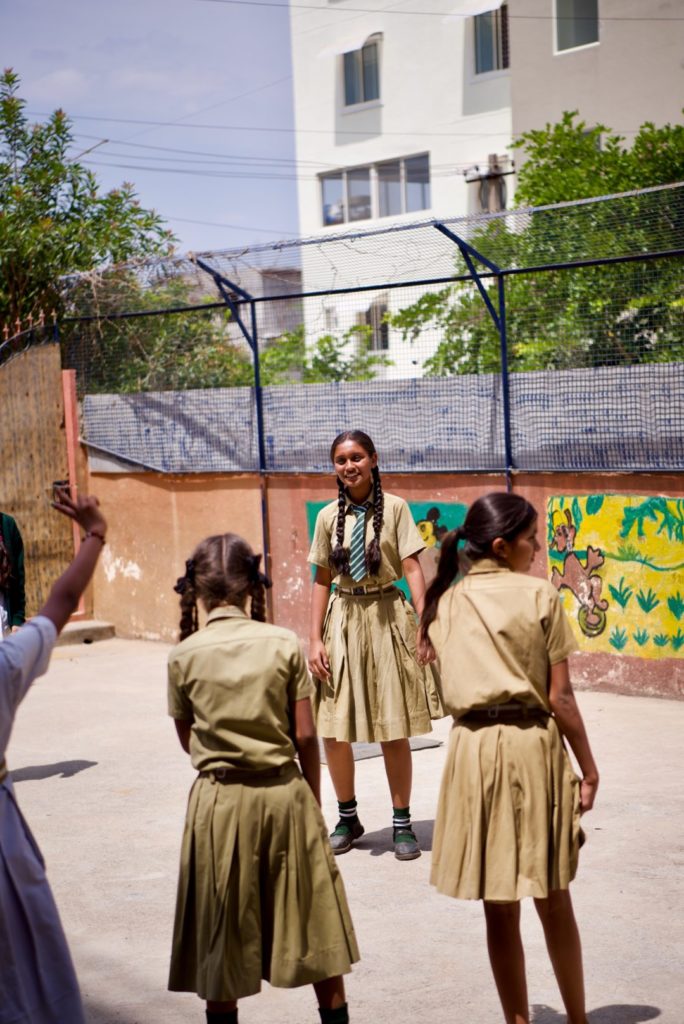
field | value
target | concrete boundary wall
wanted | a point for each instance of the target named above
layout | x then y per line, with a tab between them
156	519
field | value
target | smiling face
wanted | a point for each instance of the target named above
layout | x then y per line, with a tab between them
518	554
354	467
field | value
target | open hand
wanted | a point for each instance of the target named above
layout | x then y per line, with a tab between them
85	510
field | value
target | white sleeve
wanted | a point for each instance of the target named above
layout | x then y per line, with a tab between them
24	656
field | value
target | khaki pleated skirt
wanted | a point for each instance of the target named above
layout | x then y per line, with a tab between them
259	894
377	690
507	822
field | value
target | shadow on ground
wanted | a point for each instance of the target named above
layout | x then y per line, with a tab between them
65	769
618	1013
380	842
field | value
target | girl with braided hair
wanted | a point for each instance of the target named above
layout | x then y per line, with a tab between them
508	817
259	894
372	682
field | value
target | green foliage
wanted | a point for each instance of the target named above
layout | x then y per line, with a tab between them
349	357
661	640
618	638
621	593
640	636
676	605
53	220
677	640
586	317
647	601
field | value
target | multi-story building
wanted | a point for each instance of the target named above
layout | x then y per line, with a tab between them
618	62
400	116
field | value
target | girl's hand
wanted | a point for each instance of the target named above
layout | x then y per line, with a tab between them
425	651
85	511
588	788
319	665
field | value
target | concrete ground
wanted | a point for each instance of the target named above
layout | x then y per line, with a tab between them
103	784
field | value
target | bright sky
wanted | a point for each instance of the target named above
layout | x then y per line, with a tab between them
187	64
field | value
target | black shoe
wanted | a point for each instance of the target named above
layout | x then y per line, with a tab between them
345	834
405	844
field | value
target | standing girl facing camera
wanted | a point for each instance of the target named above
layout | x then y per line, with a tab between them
508	818
259	893
371	682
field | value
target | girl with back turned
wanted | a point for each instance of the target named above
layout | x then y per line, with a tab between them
507	823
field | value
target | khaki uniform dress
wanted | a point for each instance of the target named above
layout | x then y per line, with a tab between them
259	894
507	823
377	690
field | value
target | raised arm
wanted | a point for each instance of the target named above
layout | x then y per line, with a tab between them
63	598
319	665
571	724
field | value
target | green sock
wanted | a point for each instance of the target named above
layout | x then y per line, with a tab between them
401	818
340	1015
348	812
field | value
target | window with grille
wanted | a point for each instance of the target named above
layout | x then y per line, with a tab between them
491	41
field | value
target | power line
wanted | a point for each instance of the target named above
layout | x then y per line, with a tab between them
274	232
256	128
423	14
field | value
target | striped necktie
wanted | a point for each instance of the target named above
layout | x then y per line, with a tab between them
357	547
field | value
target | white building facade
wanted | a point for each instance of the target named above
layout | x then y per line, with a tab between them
400	116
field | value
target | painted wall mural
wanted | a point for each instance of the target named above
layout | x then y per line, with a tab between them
618	563
433	519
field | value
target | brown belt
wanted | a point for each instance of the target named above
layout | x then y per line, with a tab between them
512	712
242	774
362	591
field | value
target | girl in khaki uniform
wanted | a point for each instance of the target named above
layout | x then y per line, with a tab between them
259	894
371	682
507	823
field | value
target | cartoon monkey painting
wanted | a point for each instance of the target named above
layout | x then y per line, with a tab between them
582	580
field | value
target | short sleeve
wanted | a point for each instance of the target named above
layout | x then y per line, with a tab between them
321	547
24	656
409	540
179	704
560	640
299	686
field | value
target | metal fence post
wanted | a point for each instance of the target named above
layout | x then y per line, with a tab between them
505	381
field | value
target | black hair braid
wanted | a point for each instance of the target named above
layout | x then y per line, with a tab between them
258	602
339	557
373	553
448	567
5	566
189	621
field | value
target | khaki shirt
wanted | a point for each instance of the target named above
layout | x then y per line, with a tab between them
398	540
496	633
235	680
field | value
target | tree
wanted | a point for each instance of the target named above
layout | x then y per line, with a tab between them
591	316
53	219
347	358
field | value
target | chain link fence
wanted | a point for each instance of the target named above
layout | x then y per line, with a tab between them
544	339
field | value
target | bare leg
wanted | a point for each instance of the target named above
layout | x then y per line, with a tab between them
330	993
341	766
399	768
565	951
507	958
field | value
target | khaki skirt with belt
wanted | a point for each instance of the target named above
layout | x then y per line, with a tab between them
507	823
377	690
259	894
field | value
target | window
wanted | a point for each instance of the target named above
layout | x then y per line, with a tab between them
576	23
491	41
376	319
382	190
333	199
359	193
361	75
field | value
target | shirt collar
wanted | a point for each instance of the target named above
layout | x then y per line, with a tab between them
487	565
369	502
226	611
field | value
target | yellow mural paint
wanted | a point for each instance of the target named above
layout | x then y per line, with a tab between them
618	563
